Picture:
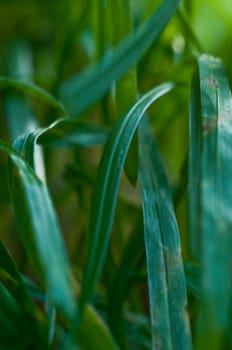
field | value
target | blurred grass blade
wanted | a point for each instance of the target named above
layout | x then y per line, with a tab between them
122	282
75	92
94	330
40	231
19	115
166	280
13	327
12	281
67	133
126	88
9	272
194	171
17	107
212	193
192	274
107	186
32	89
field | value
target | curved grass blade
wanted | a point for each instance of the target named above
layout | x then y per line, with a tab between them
165	272
40	231
82	90
108	180
213	199
67	133
32	89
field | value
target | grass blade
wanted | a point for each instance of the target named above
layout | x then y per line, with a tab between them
12	281
18	289
67	133
122	282
40	231
13	326
75	91
32	89
94	328
125	88
107	188
166	281
213	198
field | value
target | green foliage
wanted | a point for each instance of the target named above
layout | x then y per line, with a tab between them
121	232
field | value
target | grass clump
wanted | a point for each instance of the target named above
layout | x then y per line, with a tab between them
115	141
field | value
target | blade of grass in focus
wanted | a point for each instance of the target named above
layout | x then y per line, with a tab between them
107	187
75	91
44	245
166	280
212	193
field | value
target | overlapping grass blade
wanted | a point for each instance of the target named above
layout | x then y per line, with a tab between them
63	133
166	281
25	86
40	231
107	186
97	79
213	199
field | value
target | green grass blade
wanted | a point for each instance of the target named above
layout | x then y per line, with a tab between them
17	109
125	88
166	280
107	187
9	271
213	197
194	171
192	274
40	231
13	327
32	89
75	92
67	133
101	28
122	282
12	280
94	330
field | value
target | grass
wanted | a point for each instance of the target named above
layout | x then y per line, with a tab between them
115	142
